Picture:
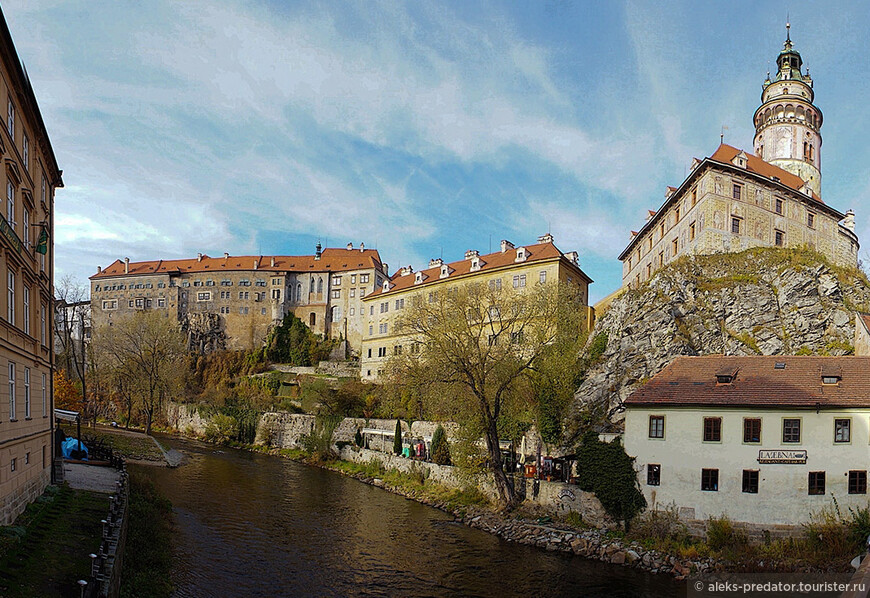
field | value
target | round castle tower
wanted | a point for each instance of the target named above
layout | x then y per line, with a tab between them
787	124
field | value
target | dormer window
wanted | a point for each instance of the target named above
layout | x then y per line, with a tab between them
724	378
386	285
521	254
418	277
475	264
831	380
445	271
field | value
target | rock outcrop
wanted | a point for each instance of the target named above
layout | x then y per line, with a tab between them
205	332
760	301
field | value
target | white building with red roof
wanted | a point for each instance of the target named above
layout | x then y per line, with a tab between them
767	440
735	200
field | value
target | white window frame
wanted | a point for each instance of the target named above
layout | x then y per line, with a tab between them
44	405
25	154
10	297
26	310
10	119
26	393
10	204
11	390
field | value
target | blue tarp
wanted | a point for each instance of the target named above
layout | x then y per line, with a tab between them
70	449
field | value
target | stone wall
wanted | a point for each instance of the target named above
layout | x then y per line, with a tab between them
16	501
555	497
185	418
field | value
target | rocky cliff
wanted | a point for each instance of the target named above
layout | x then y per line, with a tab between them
758	302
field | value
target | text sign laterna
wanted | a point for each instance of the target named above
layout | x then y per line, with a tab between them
782	456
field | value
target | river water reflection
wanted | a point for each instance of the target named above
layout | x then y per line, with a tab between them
255	525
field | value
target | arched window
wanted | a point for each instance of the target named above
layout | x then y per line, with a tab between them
320	285
298	292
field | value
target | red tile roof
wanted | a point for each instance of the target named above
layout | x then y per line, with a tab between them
691	381
726	153
490	261
332	260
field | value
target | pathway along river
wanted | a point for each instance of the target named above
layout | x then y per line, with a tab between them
256	525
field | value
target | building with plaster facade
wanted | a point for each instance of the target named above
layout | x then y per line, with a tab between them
244	296
509	268
30	175
735	200
760	439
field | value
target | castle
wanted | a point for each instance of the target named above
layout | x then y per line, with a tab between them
734	200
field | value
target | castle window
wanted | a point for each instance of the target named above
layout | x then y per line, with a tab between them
694	196
779	238
712	429
692	232
811	220
778	207
736	191
656	426
843	430
661	258
676	215
752	430
662	231
735	225
791	430
675	246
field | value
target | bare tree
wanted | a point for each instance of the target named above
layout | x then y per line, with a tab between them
476	349
148	356
72	325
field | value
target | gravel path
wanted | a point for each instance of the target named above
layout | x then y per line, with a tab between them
96	478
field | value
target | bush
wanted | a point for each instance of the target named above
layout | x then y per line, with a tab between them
440	449
397	438
221	429
723	536
660	525
319	442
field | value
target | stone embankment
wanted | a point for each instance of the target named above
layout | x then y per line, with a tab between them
597	544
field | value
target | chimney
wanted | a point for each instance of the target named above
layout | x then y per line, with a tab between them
226	255
256	264
849	221
471	253
505	245
126	265
318	250
386	268
547	238
573	256
406	270
362	246
349	246
99	269
435	262
199	257
649	215
272	262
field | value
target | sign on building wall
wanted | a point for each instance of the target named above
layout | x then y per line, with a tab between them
782	456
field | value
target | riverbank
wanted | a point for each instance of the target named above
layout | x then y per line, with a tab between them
661	544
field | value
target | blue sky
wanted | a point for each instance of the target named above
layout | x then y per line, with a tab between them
423	129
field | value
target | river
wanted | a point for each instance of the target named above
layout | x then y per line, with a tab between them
255	525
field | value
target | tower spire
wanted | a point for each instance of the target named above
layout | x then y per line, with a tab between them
787	44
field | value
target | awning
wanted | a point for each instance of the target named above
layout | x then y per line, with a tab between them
65	415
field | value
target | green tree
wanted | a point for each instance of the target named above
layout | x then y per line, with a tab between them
440	449
397	438
479	347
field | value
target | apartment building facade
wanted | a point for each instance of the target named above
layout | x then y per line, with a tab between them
509	268
245	295
30	175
